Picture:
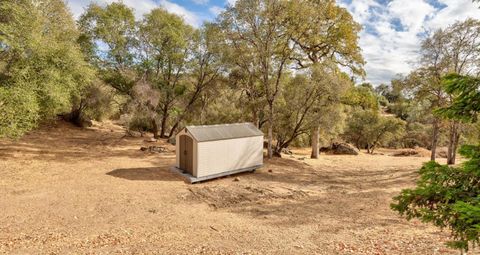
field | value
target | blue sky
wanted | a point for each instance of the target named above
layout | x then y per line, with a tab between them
393	29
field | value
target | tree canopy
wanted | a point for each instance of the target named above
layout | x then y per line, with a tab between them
41	65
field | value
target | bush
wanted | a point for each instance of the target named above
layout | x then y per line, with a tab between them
417	135
140	123
448	197
19	111
95	103
368	129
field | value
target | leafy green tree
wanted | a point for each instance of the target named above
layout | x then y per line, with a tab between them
305	101
361	96
455	49
108	40
449	197
41	65
323	32
166	42
466	105
255	27
368	129
205	71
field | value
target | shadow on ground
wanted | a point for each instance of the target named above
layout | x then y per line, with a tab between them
145	174
289	192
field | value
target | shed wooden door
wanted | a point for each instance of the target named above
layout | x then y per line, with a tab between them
186	154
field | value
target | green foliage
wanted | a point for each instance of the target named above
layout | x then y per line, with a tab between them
323	31
416	135
367	129
108	40
113	25
140	122
466	104
39	59
362	96
96	102
448	197
308	100
168	43
19	111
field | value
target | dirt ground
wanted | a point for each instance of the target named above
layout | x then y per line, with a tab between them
65	190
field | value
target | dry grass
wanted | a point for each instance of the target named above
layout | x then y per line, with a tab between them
67	191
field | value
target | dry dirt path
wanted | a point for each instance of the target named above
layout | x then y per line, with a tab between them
64	190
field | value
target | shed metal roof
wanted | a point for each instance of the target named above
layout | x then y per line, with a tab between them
223	132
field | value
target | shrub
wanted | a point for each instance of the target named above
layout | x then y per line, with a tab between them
368	129
448	197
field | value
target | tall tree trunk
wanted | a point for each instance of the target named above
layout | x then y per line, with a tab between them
155	130
450	149
256	120
436	130
452	143
315	142
455	147
164	122
270	131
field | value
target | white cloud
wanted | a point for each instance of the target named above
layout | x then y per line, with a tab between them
393	32
215	10
189	17
457	10
141	7
230	2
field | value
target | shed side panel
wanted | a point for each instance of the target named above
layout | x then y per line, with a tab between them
215	157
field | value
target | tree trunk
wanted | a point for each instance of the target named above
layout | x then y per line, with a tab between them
455	146
452	143
155	130
256	120
174	128
164	123
315	142
436	130
75	116
270	132
277	150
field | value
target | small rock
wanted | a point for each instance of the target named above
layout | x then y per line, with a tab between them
157	149
270	170
151	140
236	179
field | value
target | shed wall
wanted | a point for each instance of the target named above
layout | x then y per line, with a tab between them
215	157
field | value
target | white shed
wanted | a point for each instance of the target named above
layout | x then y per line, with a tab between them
206	152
